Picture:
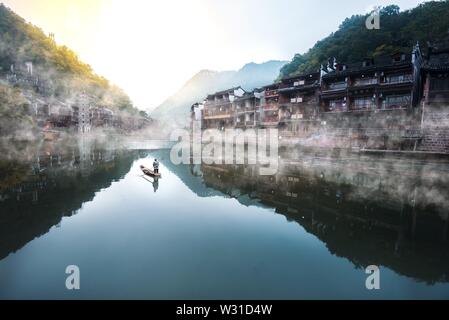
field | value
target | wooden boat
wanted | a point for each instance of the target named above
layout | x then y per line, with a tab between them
149	172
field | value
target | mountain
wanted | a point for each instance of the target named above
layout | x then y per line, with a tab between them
175	109
399	31
46	70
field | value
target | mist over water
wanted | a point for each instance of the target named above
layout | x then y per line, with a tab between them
86	202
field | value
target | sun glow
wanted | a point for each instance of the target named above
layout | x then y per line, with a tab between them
150	48
151	44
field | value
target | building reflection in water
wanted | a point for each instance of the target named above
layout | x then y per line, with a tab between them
382	211
386	212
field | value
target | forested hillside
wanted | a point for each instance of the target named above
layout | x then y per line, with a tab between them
399	31
21	42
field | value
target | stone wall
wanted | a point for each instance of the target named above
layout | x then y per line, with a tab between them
383	130
435	140
435	130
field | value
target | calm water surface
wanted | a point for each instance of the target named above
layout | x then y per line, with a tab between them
223	232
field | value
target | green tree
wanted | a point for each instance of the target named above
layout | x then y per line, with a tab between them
353	42
58	66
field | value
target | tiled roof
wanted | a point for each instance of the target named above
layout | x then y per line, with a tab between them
301	88
378	64
231	90
302	76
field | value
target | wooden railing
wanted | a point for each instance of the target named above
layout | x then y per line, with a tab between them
365	82
336	86
271	93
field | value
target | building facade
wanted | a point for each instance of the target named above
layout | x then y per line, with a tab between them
299	98
269	107
399	101
384	83
246	109
219	109
435	102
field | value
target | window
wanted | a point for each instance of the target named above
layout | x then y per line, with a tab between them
365	81
296	100
363	103
398	101
337	105
337	85
398	78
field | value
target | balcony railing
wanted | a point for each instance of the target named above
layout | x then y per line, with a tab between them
361	107
336	86
286	100
271	106
293	117
365	82
271	93
212	103
245	110
398	79
296	101
224	114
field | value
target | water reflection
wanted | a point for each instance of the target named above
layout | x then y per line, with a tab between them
383	211
35	194
155	184
387	212
153	180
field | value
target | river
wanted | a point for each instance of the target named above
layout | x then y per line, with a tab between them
222	232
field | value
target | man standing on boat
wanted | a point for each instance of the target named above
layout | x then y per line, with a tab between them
156	166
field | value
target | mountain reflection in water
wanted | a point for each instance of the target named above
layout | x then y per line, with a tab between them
371	211
36	195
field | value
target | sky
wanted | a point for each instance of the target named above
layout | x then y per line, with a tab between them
150	48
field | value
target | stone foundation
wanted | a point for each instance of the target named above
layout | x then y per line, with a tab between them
435	130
